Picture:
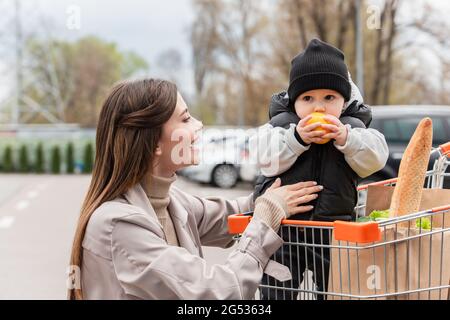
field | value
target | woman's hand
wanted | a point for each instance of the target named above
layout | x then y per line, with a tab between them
295	195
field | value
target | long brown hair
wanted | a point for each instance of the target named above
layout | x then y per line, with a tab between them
128	131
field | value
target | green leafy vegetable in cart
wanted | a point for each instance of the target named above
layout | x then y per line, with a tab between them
379	214
376	214
423	223
364	219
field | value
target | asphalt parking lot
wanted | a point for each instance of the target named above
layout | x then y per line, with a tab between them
38	214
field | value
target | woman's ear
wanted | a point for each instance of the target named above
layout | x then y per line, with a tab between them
158	151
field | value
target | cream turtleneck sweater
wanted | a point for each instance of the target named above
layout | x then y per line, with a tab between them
270	208
157	190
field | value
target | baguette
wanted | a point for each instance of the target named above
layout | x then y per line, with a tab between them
413	167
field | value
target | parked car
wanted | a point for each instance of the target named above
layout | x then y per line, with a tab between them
398	124
224	162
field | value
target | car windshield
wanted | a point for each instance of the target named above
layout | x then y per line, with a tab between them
400	130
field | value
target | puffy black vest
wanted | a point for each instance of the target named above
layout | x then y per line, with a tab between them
322	163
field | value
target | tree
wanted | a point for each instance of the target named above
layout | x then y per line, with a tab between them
394	41
205	39
300	21
170	62
231	65
384	53
8	163
133	64
430	38
39	166
88	158
56	160
74	77
24	165
70	160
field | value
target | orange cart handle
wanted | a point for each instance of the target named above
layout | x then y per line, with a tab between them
379	183
445	148
237	223
366	232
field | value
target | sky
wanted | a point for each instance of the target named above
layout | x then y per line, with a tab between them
146	27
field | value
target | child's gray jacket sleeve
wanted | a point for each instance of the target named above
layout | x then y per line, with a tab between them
366	151
275	149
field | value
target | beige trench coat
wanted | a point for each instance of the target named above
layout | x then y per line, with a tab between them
125	254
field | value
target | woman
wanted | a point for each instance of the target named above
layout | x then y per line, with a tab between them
139	237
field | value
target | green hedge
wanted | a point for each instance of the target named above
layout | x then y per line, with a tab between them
39	166
55	163
8	163
40	157
88	158
70	159
24	164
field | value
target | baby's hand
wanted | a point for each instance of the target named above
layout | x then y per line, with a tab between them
338	131
308	133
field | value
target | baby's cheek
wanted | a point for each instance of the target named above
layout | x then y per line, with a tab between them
336	114
302	110
335	110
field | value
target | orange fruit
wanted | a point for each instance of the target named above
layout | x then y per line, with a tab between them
318	117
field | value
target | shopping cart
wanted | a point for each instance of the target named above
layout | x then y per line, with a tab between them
381	259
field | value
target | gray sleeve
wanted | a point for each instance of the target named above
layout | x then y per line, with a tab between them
274	149
148	268
366	151
212	213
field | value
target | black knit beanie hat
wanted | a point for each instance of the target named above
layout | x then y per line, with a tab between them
320	66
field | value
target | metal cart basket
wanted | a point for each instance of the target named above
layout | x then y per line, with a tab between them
407	257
